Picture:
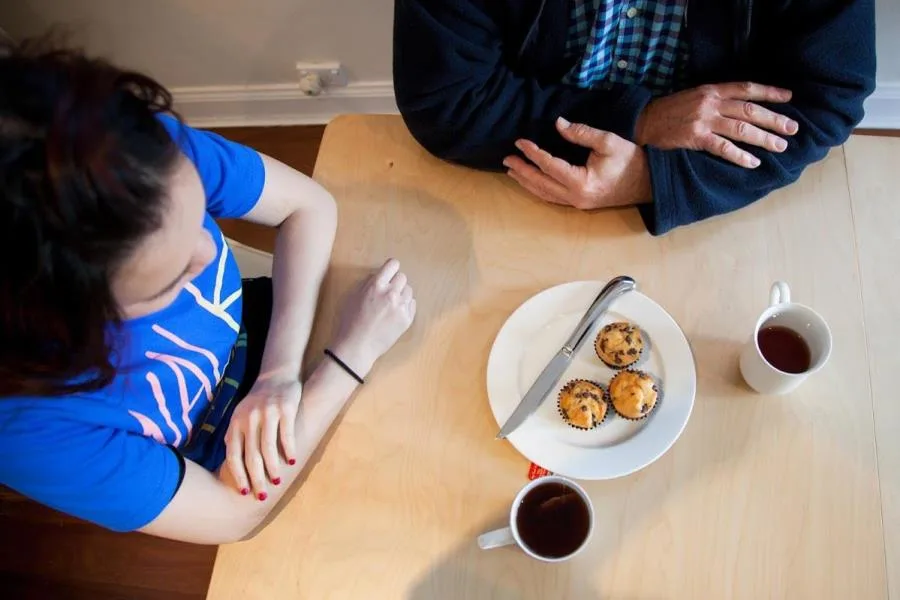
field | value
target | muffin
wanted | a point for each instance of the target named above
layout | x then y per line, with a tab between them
633	394
582	404
619	344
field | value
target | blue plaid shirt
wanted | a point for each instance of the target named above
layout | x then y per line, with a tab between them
633	43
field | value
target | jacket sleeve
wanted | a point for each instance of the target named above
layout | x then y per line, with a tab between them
824	51
461	100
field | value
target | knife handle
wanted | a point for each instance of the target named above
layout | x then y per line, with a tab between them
612	290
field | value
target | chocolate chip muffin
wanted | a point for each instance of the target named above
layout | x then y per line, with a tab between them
582	404
619	344
634	394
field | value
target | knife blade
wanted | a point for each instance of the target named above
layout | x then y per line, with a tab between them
548	378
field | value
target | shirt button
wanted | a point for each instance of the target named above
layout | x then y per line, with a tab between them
631	12
622	64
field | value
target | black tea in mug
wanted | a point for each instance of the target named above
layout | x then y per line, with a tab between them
553	520
784	349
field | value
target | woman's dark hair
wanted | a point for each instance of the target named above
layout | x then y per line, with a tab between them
84	162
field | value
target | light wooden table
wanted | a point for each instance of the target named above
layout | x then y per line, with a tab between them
760	498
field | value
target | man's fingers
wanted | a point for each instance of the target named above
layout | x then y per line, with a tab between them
757	92
758	115
269	444
724	148
602	142
532	179
531	184
234	458
535	190
742	131
556	168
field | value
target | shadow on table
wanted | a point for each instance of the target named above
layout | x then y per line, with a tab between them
719	360
433	244
722	399
507	574
530	213
470	573
422	252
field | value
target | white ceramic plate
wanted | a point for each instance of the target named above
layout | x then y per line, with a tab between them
618	447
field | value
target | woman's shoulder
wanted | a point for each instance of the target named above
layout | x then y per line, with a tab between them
232	174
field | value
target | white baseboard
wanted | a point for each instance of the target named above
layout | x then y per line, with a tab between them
883	108
285	104
279	104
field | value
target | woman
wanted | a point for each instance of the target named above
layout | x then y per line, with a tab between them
141	386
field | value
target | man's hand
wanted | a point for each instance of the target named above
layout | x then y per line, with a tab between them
616	172
712	117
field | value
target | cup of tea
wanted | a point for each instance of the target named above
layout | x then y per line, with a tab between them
790	342
551	520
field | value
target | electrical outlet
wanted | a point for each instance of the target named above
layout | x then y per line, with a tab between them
331	73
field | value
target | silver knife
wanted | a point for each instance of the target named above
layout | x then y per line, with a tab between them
546	381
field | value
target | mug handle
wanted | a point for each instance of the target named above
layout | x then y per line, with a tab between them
779	294
496	539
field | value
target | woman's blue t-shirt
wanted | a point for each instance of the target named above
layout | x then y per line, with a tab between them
107	456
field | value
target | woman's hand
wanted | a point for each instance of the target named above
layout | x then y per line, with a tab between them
260	437
374	317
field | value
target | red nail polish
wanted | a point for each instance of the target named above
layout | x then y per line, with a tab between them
244	491
292	462
277	480
262	496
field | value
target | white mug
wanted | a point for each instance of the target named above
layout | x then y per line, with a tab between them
807	323
506	536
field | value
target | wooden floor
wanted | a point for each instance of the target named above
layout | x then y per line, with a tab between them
47	555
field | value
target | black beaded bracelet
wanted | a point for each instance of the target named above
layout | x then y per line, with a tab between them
344	366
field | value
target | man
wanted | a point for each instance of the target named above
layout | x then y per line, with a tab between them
686	108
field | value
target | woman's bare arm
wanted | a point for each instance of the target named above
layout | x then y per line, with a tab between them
208	509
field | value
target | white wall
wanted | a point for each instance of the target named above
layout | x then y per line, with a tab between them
883	108
232	61
219	42
888	32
